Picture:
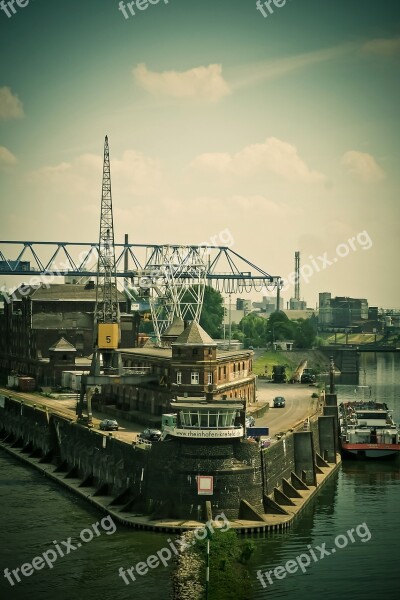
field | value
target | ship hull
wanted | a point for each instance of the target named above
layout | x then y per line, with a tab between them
375	451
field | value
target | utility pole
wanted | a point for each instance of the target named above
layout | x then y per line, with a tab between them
278	296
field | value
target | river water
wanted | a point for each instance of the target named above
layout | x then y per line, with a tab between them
363	499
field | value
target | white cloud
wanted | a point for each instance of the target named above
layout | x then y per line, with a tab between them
204	84
273	155
134	173
10	105
382	47
363	166
271	69
7	158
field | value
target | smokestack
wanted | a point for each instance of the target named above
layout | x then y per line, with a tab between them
297	273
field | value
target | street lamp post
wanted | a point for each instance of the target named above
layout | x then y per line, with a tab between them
208	563
230	323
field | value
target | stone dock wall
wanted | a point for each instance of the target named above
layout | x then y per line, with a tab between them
156	487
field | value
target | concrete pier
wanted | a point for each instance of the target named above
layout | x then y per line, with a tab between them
259	490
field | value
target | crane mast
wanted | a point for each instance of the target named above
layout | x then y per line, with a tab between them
106	315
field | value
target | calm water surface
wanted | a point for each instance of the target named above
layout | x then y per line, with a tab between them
34	512
362	492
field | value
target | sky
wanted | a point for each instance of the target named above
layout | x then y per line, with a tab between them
276	129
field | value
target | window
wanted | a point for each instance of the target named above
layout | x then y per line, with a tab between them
195	377
209	378
195	351
179	377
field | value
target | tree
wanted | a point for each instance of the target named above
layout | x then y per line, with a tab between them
212	314
254	330
280	327
305	334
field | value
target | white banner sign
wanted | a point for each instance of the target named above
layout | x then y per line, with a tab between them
206	433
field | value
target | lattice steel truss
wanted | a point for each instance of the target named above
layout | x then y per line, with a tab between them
106	310
173	280
167	279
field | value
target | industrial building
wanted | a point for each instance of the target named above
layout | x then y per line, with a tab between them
342	312
48	328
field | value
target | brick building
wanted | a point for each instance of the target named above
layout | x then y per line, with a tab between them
190	365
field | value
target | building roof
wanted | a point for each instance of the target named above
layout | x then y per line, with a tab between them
63	346
61	292
194	335
175	329
151	351
199	403
154	352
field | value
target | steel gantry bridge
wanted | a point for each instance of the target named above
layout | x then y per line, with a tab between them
171	277
225	269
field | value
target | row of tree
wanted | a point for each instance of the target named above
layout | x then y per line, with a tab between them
252	330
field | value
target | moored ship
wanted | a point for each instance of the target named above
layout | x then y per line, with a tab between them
367	430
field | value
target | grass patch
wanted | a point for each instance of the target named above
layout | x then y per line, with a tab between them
270	359
229	577
352	338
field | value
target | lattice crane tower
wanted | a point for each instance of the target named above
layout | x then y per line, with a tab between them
107	307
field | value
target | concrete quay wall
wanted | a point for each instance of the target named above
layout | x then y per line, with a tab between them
156	487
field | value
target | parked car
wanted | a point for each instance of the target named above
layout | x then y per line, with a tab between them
108	425
279	402
250	421
151	435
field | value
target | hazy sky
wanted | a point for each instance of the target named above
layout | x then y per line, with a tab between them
283	130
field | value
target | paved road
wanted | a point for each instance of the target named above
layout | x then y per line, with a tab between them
299	405
128	431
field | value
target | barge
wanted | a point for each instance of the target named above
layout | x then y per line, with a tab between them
367	430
